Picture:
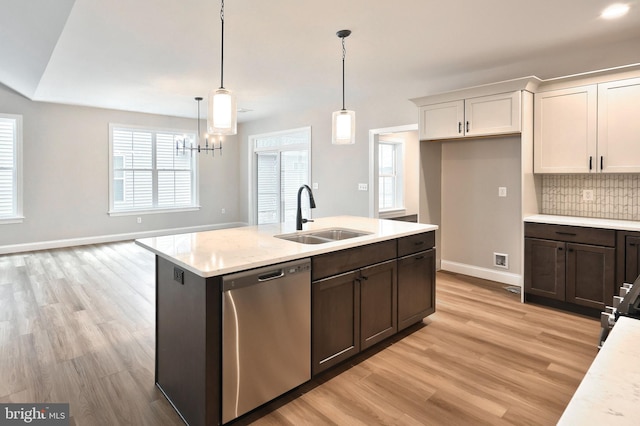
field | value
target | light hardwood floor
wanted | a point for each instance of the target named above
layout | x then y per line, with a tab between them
77	326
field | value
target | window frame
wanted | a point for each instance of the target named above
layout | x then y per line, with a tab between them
398	176
18	189
155	209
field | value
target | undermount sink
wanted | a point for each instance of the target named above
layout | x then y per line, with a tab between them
323	236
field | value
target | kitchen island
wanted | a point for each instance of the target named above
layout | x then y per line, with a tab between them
363	289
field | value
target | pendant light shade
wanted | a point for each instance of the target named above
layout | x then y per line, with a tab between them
344	121
222	116
223	113
344	127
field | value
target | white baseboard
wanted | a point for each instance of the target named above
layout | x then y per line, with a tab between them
484	273
46	245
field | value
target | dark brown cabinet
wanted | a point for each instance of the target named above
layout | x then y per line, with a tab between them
378	305
363	295
416	287
335	323
628	256
569	264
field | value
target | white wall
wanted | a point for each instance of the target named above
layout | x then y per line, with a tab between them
65	172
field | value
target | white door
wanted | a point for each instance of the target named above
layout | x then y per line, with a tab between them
619	126
565	130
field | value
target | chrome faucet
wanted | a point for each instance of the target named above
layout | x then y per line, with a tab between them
312	204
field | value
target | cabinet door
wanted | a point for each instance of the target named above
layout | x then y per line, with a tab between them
565	131
631	259
335	320
544	268
492	115
416	287
378	303
442	121
619	126
590	275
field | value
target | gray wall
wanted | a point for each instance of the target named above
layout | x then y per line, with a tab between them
475	221
336	169
65	172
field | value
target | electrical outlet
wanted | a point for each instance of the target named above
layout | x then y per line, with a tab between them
501	260
502	191
587	195
139	219
223	211
362	186
178	275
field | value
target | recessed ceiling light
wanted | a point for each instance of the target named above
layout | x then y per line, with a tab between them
615	11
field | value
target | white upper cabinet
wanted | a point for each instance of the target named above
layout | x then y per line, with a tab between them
442	121
565	130
492	115
588	129
619	126
480	116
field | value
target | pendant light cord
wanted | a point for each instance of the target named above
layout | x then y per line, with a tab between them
344	52
222	45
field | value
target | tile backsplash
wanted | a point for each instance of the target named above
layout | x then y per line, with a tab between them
615	196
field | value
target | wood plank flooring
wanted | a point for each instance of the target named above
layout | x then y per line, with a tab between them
77	326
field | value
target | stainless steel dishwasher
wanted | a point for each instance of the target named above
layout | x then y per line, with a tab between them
266	335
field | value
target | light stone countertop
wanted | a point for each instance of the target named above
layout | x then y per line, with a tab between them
223	251
591	222
609	394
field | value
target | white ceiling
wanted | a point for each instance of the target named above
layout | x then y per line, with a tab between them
156	55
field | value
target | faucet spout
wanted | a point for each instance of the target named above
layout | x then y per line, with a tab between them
312	204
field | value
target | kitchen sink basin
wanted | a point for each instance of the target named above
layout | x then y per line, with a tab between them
338	234
323	236
303	239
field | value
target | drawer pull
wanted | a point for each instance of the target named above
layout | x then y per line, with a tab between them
419	258
418	243
571	234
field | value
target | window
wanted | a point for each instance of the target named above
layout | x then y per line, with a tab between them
147	173
282	162
390	187
10	168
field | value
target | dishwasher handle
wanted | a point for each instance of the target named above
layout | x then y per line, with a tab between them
271	275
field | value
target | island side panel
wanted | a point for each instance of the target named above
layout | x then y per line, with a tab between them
188	342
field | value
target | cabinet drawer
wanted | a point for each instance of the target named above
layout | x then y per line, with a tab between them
571	234
415	243
337	262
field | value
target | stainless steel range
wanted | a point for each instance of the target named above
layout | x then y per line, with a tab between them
627	304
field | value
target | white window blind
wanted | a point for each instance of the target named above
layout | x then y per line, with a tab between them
147	173
10	167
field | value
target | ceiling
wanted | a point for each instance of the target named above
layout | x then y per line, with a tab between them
155	56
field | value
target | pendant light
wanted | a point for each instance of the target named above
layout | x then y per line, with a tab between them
344	121
222	113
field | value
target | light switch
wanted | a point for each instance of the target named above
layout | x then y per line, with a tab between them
362	187
502	191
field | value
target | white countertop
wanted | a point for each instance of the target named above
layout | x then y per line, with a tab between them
224	251
590	222
609	394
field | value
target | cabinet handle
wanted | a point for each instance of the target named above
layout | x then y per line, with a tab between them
632	244
571	234
459	126
590	162
467	126
570	250
560	248
601	162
